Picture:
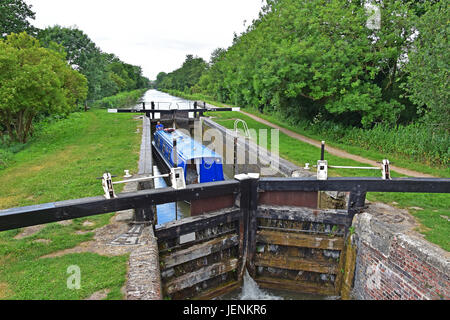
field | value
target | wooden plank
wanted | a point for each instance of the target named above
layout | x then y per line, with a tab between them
192	224
294	263
300	240
295	286
335	217
199	251
341	270
218	291
203	274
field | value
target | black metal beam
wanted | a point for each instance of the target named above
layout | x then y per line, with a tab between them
65	210
422	185
167	111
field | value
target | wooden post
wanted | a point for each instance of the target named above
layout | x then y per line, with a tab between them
356	202
322	151
144	215
235	164
175	165
253	223
244	201
248	226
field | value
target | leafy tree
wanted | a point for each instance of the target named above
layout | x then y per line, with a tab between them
185	77
13	17
317	58
83	55
107	75
159	79
34	81
428	67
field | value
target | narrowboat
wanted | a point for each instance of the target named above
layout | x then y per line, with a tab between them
200	164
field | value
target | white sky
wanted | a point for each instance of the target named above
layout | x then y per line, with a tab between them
154	34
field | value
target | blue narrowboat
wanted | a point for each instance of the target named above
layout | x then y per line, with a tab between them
200	164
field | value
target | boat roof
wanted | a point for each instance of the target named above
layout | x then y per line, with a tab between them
187	147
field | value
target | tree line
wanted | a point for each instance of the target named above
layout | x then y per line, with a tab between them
50	71
352	62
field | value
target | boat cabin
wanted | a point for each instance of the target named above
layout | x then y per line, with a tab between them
200	164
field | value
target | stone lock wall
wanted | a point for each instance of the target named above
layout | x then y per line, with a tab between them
395	263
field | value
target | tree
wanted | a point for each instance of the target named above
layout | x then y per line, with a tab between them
184	78
34	81
84	56
317	57
107	75
13	17
428	67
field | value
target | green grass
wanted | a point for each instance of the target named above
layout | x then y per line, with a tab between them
435	228
62	162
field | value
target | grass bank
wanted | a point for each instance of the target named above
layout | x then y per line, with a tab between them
431	210
62	162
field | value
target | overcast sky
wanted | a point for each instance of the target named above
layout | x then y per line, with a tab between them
154	34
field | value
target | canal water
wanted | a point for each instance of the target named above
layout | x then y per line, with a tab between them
164	101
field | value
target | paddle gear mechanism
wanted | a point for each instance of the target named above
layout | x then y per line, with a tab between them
176	177
322	167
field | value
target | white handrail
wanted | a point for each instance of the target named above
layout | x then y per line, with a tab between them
247	132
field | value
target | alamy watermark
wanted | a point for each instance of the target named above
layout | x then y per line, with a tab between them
374	13
74	280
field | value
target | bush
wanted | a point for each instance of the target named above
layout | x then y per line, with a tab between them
417	141
121	100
